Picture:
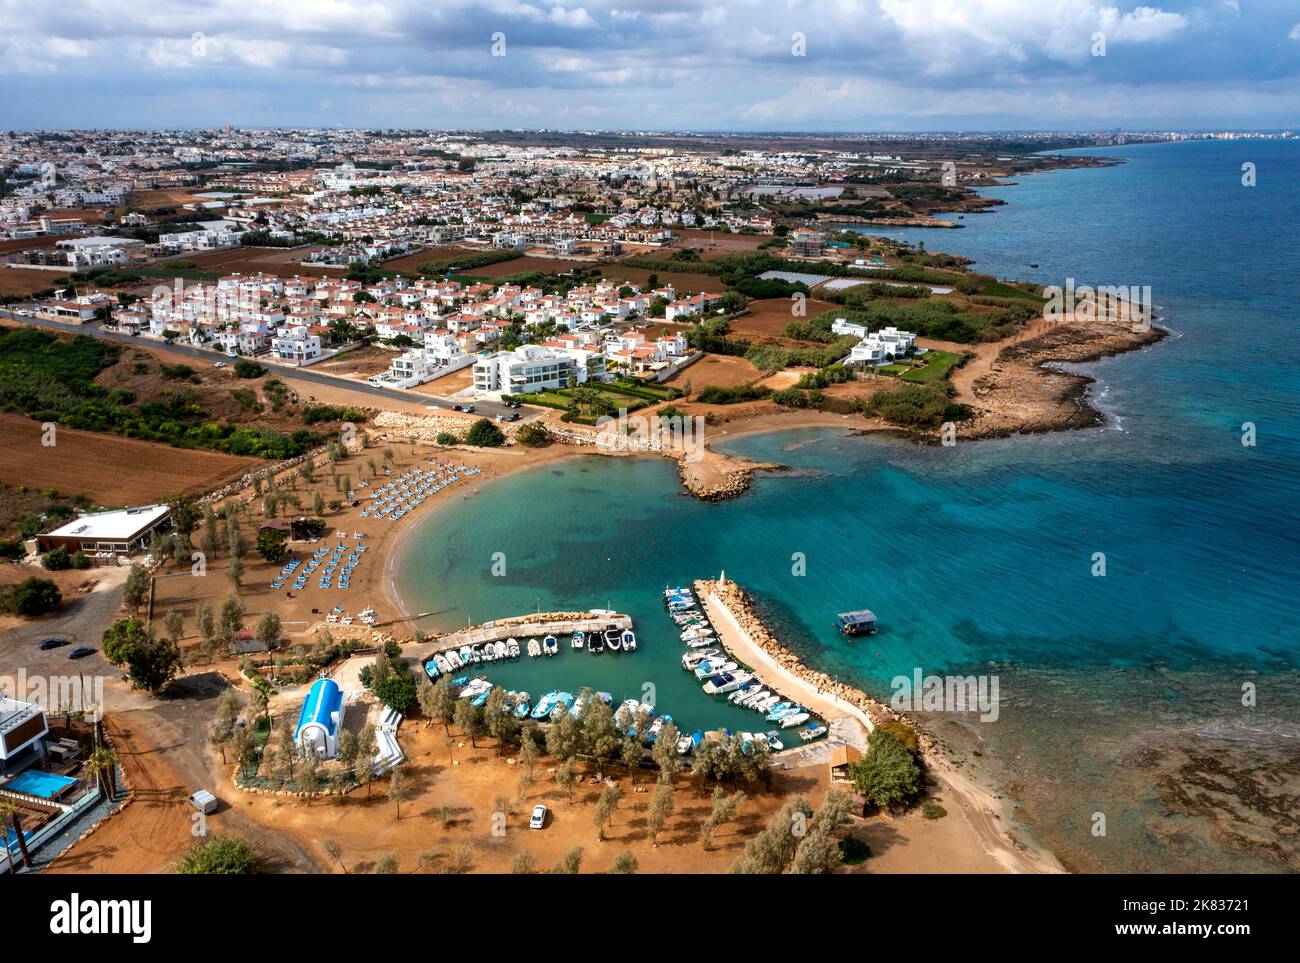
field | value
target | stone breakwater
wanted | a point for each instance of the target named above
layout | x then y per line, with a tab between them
746	614
715	477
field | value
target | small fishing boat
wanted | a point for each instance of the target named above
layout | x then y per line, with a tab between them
534	648
482	697
789	722
656	727
431	670
465	655
702	641
779	710
441	661
613	641
550	645
629	640
596	643
773	740
812	731
512	648
545	705
578	637
523	704
563	700
453	659
684	745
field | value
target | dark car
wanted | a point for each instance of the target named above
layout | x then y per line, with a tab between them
513	416
455	408
80	652
512	404
52	643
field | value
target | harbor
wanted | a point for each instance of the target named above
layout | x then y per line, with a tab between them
747	693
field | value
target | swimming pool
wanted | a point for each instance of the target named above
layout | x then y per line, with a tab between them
47	785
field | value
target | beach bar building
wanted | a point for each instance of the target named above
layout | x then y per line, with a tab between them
104	536
321	719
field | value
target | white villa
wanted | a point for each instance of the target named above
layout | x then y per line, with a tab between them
535	368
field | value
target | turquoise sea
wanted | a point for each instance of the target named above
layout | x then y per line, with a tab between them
1122	694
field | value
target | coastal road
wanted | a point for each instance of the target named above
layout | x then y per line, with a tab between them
488	408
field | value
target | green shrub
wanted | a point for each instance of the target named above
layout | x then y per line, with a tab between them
31	597
248	369
447	438
933	811
534	435
220	855
484	434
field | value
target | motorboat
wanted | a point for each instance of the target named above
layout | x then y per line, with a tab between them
789	722
713	667
702	641
656	727
453	659
578	637
629	640
545	705
684	745
773	740
550	645
563	700
482	697
534	648
474	688
696	631
523	704
441	661
512	648
720	683
596	643
778	710
765	705
431	670
812	731
613	641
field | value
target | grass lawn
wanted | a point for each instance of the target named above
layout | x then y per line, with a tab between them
938	364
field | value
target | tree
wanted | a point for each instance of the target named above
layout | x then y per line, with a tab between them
121	638
153	663
205	622
335	852
819	851
397	789
469	720
570	862
136	587
664	752
219	855
523	863
349	747
9	814
174	623
567	777
605	806
268	629
443	702
309	772
886	775
484	434
235	572
32	597
724	810
773	848
625	863
533	435
185	514
272	544
367	749
563	738
231	620
631	752
661	807
103	762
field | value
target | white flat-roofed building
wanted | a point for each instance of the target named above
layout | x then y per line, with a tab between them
296	343
22	734
535	368
107	534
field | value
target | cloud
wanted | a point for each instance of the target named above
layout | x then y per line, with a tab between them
687	63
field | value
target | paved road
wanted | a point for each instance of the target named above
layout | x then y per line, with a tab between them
489	408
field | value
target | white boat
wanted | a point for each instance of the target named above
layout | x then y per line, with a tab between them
811	732
441	662
550	645
512	648
724	682
691	659
766	705
629	640
702	641
789	722
534	649
465	657
613	641
578	638
712	667
684	745
754	698
695	632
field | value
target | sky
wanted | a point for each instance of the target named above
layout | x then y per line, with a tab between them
738	65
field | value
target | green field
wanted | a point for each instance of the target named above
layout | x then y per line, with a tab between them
937	366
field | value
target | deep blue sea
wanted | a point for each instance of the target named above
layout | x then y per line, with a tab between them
1122	694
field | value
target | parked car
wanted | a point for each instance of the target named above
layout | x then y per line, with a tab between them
80	652
47	644
514	416
512	404
218	364
539	817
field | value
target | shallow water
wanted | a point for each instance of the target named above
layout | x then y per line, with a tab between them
1121	694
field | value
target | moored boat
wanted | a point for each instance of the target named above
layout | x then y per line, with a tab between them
790	722
578	637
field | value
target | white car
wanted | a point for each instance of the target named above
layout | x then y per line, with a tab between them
218	364
538	819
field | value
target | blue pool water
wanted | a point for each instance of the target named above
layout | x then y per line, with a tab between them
37	783
1121	694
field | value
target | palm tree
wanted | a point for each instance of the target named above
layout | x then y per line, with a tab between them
102	764
9	814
